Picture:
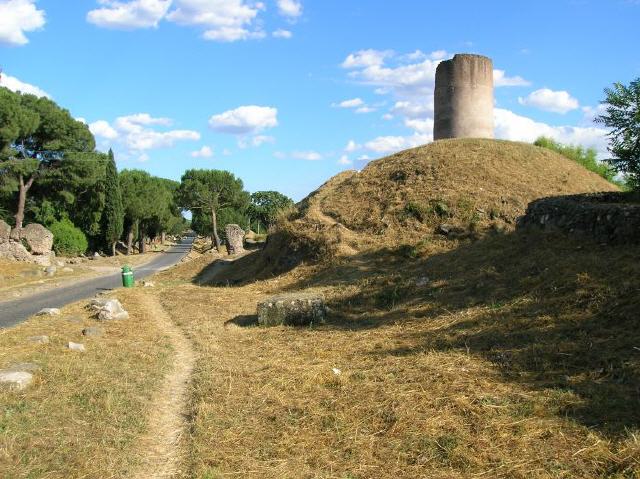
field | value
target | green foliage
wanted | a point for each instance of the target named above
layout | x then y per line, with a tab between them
67	239
267	205
416	210
582	156
113	217
622	115
207	193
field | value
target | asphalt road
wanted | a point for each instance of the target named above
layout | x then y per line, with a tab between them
14	312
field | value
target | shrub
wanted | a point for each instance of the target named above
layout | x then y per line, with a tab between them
582	156
67	239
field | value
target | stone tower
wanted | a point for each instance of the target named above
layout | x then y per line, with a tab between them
464	98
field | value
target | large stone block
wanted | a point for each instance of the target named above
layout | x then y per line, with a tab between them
293	309
235	239
14	251
5	231
39	238
108	309
15	380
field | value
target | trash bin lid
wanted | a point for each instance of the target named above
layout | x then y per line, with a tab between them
126	268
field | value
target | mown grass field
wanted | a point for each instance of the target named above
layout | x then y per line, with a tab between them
514	356
84	412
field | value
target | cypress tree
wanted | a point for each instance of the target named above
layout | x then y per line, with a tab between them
113	209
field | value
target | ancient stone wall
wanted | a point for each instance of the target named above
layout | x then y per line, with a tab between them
463	98
604	217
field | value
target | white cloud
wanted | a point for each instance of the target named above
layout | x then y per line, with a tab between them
103	129
353	103
306	155
18	17
255	141
245	120
351	146
129	15
365	109
290	8
413	109
366	58
204	152
136	133
424	126
223	20
391	144
281	33
344	160
13	84
501	79
549	100
510	126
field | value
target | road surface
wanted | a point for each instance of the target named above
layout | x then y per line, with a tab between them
14	312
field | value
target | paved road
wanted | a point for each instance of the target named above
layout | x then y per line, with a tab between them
14	312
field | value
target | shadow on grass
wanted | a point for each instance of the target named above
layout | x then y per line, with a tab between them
243	321
551	313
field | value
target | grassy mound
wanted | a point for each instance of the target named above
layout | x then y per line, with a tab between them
467	186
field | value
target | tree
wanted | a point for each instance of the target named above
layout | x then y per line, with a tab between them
209	191
35	137
113	216
622	115
266	205
140	198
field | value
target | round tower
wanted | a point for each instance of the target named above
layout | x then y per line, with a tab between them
463	103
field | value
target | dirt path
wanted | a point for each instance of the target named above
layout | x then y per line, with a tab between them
162	445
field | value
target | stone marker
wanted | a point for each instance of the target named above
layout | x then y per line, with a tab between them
108	309
38	339
76	347
15	380
92	331
235	237
293	309
39	238
49	312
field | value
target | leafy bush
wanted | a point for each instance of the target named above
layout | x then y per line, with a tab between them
582	156
67	239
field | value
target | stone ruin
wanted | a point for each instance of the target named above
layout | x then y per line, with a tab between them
463	98
235	239
33	243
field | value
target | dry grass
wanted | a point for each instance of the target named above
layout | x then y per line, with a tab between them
515	356
85	411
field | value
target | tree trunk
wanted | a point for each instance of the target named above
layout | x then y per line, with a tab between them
130	239
214	236
113	248
163	238
141	243
22	200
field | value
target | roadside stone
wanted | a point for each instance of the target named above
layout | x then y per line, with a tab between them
14	251
293	309
60	264
66	269
50	270
15	380
108	309
42	259
235	237
76	347
49	312
5	231
92	331
38	339
148	284
96	255
39	238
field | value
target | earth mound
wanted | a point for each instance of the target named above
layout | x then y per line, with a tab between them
443	191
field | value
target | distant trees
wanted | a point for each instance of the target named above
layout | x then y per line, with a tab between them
36	135
207	193
266	205
622	115
113	216
586	157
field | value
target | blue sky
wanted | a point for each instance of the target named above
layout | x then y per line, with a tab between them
286	93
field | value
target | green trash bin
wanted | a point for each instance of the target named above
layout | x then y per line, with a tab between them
127	276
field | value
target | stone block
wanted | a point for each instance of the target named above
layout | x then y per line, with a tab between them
39	238
235	239
293	309
108	309
15	380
